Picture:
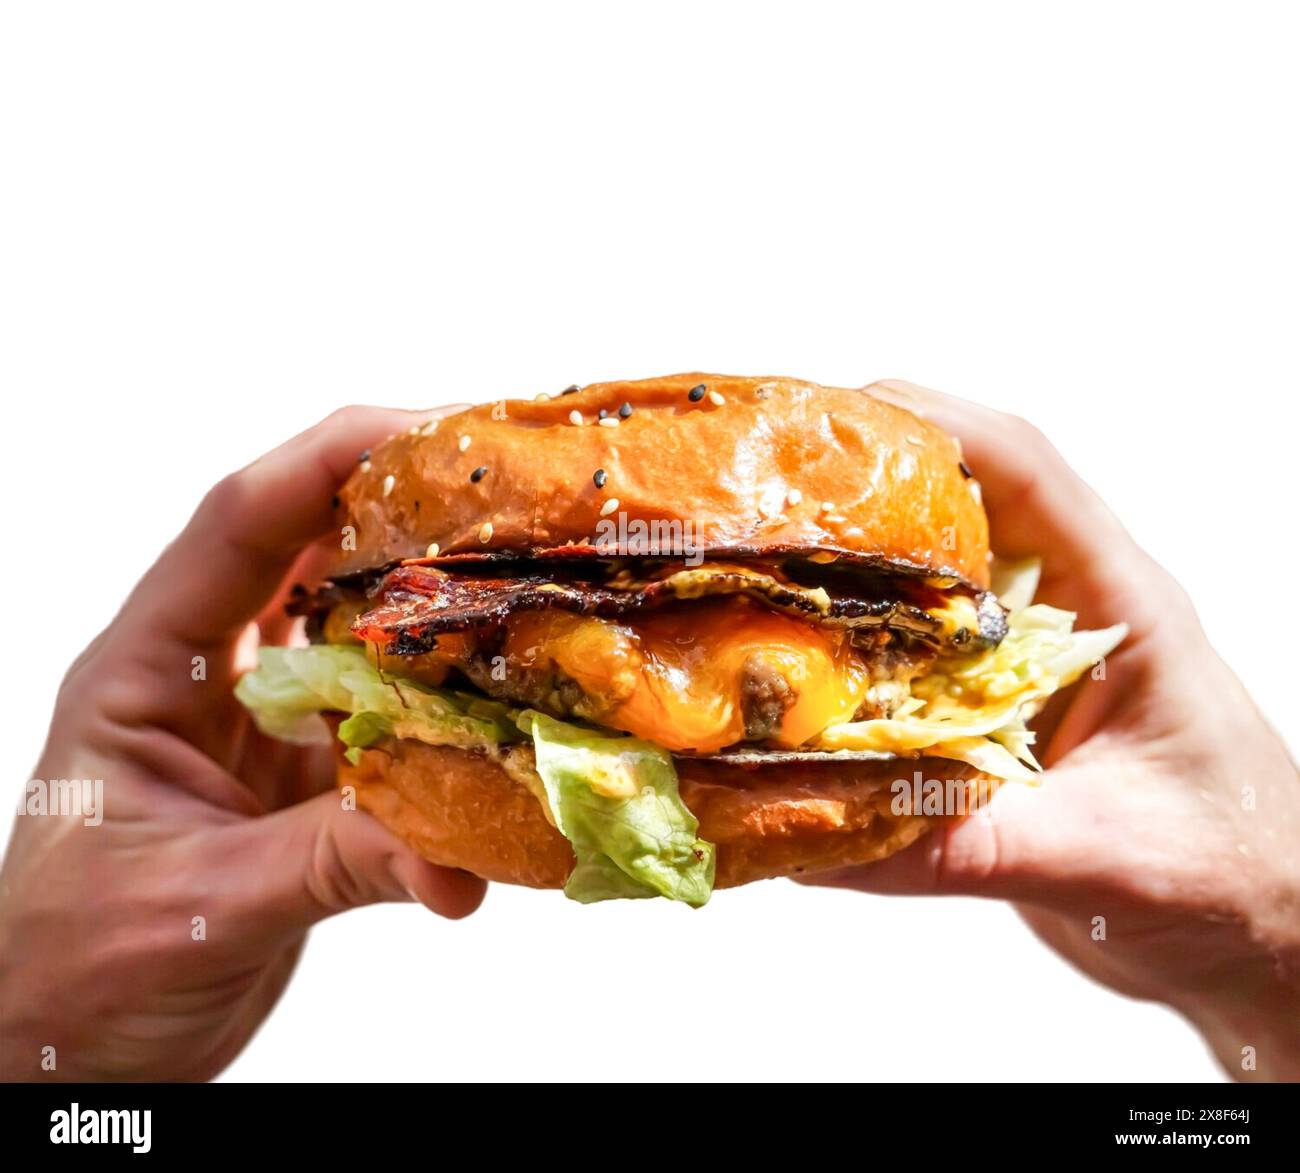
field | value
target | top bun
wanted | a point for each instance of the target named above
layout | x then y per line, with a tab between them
755	466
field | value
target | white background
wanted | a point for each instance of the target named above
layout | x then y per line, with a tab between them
220	222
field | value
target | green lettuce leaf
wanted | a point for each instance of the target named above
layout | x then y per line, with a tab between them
615	799
291	687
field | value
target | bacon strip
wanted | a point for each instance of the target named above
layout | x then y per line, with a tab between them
418	603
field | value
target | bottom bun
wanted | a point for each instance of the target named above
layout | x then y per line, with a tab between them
462	809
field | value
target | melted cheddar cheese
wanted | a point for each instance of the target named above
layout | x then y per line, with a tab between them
677	677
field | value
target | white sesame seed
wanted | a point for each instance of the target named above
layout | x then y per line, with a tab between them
389	482
365	466
976	493
794	496
542	397
429	428
609	507
463	443
485	532
432	551
610	421
828	507
715	398
911	439
413	430
575	418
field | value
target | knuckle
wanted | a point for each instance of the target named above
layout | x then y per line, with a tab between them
1027	435
348	416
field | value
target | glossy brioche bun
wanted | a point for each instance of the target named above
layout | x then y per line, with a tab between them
462	809
753	473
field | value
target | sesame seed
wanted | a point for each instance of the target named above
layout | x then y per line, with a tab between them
389	482
541	397
602	414
478	474
625	411
334	501
364	458
976	493
413	430
571	389
429	428
911	439
965	469
599	477
575	418
794	496
365	466
463	443
716	399
485	532
764	391
432	551
610	421
828	507
696	393
609	507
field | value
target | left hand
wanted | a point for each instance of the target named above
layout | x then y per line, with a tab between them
106	970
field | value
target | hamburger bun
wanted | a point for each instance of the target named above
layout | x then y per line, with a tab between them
463	809
757	465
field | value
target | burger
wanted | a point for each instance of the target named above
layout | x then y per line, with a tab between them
651	638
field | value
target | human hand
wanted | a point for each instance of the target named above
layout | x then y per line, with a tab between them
101	955
1169	807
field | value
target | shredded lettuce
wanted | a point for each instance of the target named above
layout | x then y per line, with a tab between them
974	709
615	799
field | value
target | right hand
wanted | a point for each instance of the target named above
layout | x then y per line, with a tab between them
1169	807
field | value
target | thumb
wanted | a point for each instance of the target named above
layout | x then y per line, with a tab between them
318	858
1026	844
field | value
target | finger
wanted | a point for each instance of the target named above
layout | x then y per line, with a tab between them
316	859
230	559
1038	506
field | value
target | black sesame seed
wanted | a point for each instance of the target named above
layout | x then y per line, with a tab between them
603	413
571	389
478	474
599	477
364	457
965	469
625	411
334	501
696	393
417	507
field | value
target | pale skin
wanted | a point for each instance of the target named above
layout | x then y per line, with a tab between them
1169	806
1141	818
